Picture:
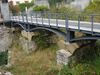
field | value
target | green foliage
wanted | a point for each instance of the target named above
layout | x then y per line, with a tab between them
33	1
23	5
66	12
79	69
94	7
3	58
42	39
53	3
40	8
65	71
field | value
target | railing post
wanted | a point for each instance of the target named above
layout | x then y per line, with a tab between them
49	16
19	16
92	23
10	16
26	17
66	22
14	16
23	17
56	20
36	17
79	23
31	18
83	18
42	17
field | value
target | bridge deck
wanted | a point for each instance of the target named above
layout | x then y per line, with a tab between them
77	25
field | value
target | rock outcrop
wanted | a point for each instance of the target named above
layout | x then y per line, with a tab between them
6	73
5	38
27	45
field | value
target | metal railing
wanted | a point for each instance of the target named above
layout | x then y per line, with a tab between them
44	18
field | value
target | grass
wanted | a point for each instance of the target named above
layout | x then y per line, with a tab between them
96	65
3	58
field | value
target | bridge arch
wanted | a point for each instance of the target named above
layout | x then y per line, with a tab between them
56	31
35	28
85	39
19	24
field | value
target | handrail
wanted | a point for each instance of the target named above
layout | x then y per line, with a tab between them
55	17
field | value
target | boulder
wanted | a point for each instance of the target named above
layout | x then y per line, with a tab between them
27	45
5	39
63	57
6	73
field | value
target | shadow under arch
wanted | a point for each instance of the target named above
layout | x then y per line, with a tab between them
35	28
56	31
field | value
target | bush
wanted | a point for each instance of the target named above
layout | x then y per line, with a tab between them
42	39
66	12
79	69
3	58
23	5
93	8
40	8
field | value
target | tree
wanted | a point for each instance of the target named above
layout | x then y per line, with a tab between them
23	5
54	2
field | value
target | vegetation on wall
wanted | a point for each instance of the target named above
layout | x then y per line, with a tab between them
42	39
3	58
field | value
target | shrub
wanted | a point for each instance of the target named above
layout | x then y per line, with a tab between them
79	69
23	5
3	58
66	12
42	39
40	8
94	8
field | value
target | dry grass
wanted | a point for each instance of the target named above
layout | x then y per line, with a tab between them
36	63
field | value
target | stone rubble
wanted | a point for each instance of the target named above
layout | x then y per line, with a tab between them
6	73
63	57
5	40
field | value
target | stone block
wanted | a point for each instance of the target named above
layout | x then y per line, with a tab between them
63	57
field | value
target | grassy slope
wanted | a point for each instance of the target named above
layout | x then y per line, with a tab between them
36	63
